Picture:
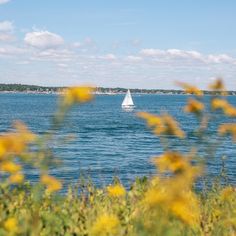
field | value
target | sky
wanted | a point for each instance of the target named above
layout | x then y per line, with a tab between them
125	43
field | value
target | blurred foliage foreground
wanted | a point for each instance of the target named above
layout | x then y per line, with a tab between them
165	204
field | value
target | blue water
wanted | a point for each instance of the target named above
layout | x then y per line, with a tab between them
110	141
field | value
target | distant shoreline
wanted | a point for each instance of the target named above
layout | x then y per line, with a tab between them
107	94
34	89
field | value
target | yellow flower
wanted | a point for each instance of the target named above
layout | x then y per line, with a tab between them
155	196
222	104
190	89
105	225
171	161
16	178
230	111
51	183
12	143
172	196
227	193
164	124
218	103
24	132
152	120
186	207
10	167
77	95
16	142
218	85
229	128
172	126
11	225
2	148
194	106
116	190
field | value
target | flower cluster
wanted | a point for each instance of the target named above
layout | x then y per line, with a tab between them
14	145
105	225
163	124
191	89
222	104
116	190
194	106
77	95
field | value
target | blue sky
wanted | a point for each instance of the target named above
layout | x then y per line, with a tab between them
125	43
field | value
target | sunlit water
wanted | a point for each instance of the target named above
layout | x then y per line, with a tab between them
110	141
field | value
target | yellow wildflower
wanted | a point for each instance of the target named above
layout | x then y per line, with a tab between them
194	106
13	143
230	111
227	193
152	120
218	103
116	190
172	161
155	196
190	89
105	225
174	196
229	128
2	148
77	95
10	167
16	178
11	225
217	85
24	132
16	142
172	126
230	222
222	104
51	183
186	207
164	124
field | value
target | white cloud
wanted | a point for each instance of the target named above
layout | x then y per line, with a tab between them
6	31
57	55
6	37
85	46
78	61
172	53
77	44
109	57
221	58
4	1
184	54
134	58
6	26
43	39
11	50
152	52
177	54
63	65
23	62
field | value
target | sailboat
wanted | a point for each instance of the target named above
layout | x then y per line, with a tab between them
128	101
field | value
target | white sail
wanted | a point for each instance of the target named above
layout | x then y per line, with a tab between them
128	101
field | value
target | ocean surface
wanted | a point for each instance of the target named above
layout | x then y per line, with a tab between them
109	141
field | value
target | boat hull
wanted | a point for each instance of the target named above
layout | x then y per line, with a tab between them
127	108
